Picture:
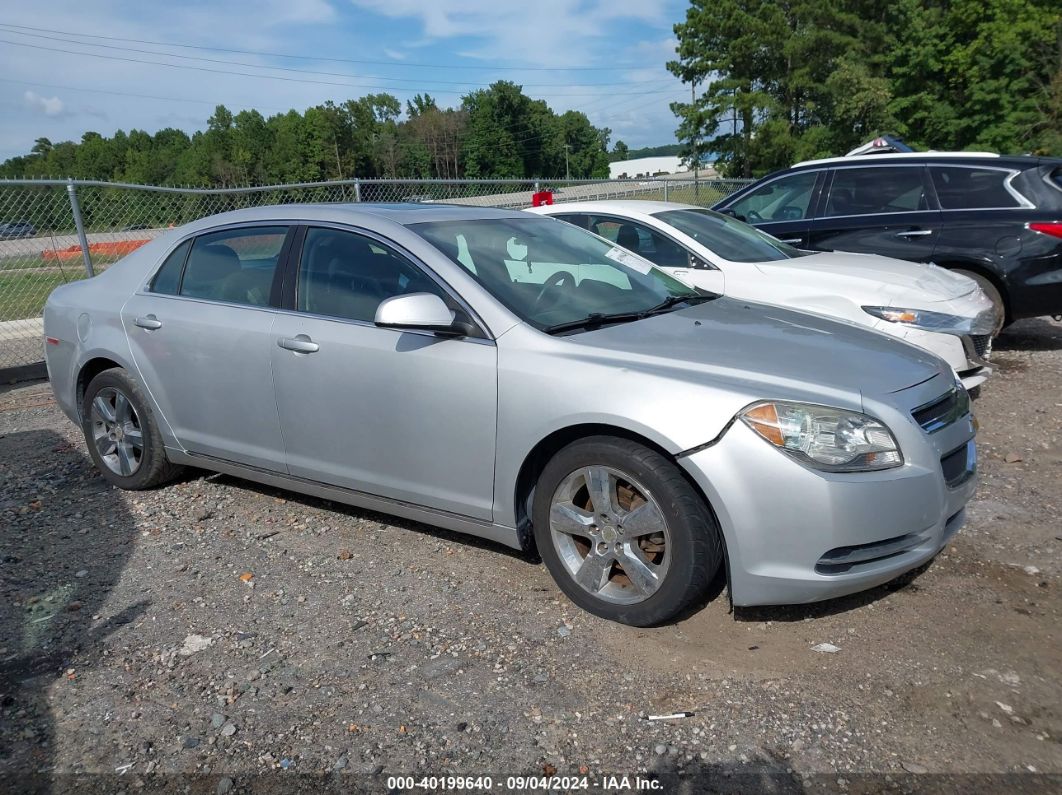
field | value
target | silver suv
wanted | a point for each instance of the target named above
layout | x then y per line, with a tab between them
520	379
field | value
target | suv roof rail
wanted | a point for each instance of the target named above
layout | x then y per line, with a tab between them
892	156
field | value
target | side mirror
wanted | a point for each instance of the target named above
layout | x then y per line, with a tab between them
420	312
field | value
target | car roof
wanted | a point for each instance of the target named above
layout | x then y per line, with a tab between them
620	206
997	159
403	214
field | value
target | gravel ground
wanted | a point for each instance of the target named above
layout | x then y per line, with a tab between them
218	636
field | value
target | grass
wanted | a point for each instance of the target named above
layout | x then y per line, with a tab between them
23	292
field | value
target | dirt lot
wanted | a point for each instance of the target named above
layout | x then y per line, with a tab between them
217	636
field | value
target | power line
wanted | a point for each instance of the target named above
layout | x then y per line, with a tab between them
336	60
311	71
257	76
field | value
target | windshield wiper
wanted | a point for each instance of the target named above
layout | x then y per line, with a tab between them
675	300
593	320
597	319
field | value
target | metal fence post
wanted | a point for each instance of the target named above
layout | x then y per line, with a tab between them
75	208
665	188
357	190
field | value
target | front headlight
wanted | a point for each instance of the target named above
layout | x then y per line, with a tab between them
831	439
983	323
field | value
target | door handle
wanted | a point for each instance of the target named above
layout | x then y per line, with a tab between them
792	240
915	233
150	322
299	344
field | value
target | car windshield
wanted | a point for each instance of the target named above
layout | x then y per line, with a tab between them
728	237
554	275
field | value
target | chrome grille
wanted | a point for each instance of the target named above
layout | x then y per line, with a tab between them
943	411
982	344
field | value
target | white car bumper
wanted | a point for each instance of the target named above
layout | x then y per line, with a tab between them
966	354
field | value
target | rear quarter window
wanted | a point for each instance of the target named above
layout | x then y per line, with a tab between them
966	188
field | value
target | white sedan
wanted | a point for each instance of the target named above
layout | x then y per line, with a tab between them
931	307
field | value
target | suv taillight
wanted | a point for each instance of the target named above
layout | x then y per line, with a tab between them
1053	228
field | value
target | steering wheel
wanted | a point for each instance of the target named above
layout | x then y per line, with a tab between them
752	215
557	280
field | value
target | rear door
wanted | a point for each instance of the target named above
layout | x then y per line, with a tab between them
200	337
883	209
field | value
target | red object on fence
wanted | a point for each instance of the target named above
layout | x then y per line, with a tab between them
541	198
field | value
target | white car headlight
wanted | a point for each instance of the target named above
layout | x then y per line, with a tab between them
982	323
834	440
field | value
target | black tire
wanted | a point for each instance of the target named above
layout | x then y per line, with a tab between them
153	468
994	295
696	546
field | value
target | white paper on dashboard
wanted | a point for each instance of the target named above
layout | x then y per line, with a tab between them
630	260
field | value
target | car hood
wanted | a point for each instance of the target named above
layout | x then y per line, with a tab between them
740	342
861	276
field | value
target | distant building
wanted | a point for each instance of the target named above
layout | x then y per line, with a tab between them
645	167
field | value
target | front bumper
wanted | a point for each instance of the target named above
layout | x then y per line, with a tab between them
964	354
795	535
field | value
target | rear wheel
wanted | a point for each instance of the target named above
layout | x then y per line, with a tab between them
994	296
122	436
623	533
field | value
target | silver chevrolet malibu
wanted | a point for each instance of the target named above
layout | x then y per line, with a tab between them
516	378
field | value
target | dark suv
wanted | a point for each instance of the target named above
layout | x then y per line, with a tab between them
996	219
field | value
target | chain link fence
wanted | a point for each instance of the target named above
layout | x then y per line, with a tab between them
56	231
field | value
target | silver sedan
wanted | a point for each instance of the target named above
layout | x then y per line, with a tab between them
519	379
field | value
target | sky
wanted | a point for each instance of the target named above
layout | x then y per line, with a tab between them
67	66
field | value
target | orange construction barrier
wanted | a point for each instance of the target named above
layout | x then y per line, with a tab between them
116	249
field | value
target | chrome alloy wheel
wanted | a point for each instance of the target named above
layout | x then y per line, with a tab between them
610	535
116	432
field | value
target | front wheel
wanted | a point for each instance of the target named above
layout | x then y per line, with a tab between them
623	533
121	433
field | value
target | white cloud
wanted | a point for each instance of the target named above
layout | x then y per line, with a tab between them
394	54
542	32
49	106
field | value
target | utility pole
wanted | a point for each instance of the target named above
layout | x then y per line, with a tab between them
695	143
567	173
339	166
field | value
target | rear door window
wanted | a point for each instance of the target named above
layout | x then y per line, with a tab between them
877	189
235	265
965	188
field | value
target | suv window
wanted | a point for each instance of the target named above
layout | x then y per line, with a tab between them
168	279
236	265
347	275
965	188
642	240
876	189
784	199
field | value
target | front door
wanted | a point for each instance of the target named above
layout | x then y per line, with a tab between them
410	416
200	336
781	207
